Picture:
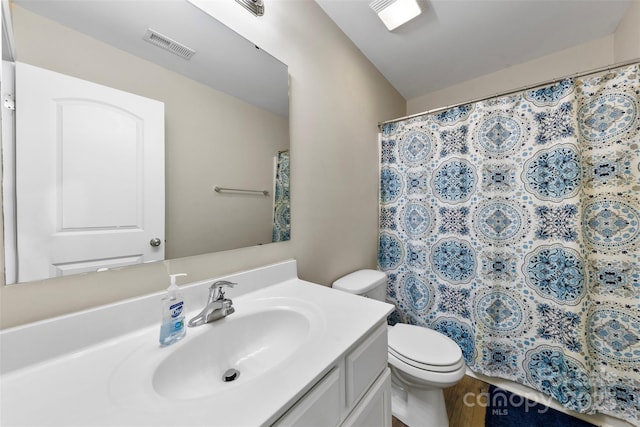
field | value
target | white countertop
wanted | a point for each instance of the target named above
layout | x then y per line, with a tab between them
109	383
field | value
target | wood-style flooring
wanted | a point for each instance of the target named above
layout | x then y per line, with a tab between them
461	415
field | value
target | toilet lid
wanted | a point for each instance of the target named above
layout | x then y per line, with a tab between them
424	348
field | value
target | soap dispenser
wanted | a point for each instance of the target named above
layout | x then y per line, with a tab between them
172	328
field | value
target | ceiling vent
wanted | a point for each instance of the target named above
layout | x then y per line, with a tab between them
166	43
394	13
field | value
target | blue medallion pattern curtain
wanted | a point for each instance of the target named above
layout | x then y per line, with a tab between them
281	205
512	225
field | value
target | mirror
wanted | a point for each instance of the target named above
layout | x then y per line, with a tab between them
226	127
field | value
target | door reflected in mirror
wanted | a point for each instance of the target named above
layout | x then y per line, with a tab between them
225	125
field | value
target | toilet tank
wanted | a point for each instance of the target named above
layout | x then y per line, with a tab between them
368	283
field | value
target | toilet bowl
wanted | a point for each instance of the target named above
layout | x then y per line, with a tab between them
423	362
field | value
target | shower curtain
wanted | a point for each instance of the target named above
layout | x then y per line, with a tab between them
281	218
512	225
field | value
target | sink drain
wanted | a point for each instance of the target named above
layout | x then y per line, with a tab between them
230	375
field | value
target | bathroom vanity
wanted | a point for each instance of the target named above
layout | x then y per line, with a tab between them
302	354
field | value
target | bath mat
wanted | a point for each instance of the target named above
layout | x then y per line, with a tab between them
505	409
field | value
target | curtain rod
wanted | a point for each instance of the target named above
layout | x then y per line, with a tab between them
520	89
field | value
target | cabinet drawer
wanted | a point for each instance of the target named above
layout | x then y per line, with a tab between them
319	407
364	364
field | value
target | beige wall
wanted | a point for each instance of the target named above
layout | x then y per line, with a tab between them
627	36
211	138
583	57
621	46
337	98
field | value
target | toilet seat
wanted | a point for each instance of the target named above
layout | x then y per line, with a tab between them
421	378
424	349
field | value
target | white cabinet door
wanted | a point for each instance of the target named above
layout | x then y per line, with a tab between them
375	408
365	362
89	175
320	407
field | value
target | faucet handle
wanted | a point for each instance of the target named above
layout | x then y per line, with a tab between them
216	290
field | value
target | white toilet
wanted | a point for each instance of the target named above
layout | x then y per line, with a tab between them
422	361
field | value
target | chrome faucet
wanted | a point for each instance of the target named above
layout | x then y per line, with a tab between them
217	307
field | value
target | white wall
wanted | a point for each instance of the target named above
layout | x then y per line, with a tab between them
337	99
623	45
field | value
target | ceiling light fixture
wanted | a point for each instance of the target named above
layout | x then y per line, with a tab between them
394	13
254	6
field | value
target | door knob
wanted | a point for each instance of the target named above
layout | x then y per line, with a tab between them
155	242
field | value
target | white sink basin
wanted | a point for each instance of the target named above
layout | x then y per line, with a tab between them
252	344
260	340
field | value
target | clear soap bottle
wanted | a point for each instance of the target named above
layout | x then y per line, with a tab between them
172	328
